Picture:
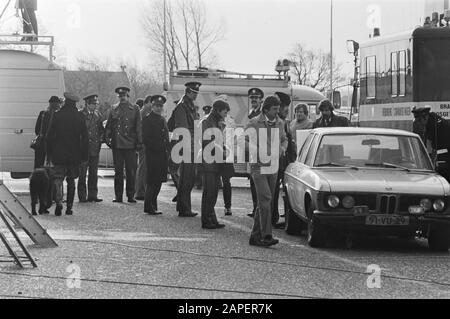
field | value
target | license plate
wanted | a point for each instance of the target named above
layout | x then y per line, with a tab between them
387	220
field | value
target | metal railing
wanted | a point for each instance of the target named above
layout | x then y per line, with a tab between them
31	40
226	75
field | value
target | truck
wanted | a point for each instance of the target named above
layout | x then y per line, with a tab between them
27	81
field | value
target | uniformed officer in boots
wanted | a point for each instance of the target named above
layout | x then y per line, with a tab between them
94	124
255	96
124	135
155	135
185	115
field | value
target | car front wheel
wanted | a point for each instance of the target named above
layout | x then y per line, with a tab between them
439	239
317	236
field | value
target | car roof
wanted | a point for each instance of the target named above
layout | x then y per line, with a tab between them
361	130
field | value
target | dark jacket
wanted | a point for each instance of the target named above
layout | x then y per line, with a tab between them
44	121
67	137
437	130
155	135
213	120
124	127
185	114
335	121
95	129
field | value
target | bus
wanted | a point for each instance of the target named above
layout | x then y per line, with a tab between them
404	70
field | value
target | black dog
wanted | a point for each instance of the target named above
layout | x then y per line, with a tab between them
41	188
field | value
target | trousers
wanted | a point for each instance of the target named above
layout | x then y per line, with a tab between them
151	196
92	189
265	187
186	183
226	190
209	197
141	175
127	158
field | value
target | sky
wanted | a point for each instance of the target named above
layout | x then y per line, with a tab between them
257	32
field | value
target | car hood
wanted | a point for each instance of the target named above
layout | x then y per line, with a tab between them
385	181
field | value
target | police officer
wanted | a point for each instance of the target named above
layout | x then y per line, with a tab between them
142	168
155	135
67	148
124	135
94	124
255	96
433	128
185	115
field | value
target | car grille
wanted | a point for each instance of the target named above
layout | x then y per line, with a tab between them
387	204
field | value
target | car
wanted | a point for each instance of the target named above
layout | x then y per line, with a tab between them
366	180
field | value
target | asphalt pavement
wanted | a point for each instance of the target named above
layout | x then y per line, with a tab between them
109	250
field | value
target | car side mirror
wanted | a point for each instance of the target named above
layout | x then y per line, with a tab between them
441	167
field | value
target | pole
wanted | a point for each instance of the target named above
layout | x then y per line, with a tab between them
165	45
331	49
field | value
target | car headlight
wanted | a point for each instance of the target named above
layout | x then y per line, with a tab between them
333	201
348	201
438	205
426	204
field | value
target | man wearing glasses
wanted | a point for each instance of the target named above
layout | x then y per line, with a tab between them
124	135
94	124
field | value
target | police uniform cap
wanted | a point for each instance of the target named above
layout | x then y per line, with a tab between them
90	97
207	108
256	92
193	86
421	109
122	89
71	97
54	99
284	98
158	99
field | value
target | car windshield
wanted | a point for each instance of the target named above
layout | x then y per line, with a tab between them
362	150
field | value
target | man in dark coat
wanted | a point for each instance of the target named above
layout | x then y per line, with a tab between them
255	96
67	148
123	134
328	118
185	115
141	172
211	169
155	135
94	124
41	129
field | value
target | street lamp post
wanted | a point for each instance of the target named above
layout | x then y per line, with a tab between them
353	48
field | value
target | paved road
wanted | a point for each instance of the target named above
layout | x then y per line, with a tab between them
119	252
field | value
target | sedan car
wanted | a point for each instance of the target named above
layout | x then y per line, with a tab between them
366	180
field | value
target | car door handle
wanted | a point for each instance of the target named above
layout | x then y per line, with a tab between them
18	131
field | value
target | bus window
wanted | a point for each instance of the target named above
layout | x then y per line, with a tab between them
371	76
402	73
394	74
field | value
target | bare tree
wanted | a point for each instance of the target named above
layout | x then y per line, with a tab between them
312	68
142	83
189	35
